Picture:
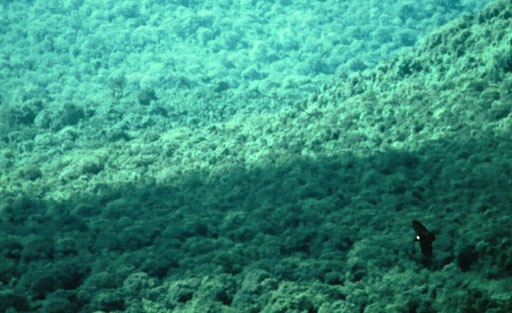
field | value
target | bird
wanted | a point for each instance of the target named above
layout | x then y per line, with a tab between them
425	238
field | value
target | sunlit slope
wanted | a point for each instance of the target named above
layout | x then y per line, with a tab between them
457	84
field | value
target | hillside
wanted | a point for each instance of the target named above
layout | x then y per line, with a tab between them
290	211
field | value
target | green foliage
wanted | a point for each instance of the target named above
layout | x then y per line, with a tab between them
14	300
12	115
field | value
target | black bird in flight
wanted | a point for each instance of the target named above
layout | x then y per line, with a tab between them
425	238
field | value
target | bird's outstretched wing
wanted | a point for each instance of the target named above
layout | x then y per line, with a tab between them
420	229
426	248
